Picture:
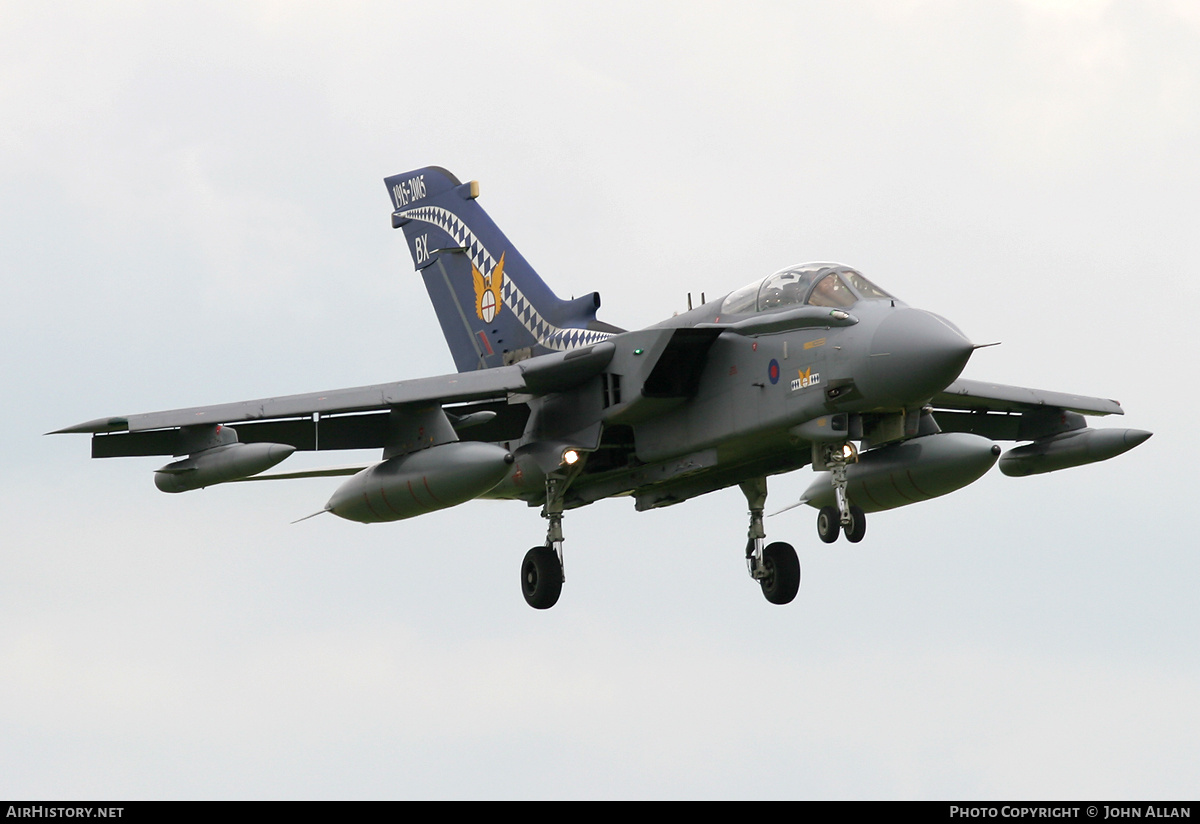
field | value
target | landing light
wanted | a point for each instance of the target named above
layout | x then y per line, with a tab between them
849	453
570	457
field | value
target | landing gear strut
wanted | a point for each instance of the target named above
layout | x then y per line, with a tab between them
775	567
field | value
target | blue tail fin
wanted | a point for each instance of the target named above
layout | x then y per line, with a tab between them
493	308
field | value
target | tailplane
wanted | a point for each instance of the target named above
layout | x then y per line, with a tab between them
493	307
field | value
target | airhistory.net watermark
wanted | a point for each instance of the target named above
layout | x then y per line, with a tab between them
40	811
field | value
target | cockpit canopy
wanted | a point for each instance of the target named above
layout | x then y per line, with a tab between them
814	284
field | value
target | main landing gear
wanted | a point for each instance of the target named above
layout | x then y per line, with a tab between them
542	573
775	566
845	516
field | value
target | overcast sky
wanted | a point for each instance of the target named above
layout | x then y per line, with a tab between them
193	212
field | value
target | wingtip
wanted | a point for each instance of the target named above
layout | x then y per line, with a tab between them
97	426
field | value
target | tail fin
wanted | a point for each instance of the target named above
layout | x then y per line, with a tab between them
493	307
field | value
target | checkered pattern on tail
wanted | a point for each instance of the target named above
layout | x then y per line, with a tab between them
548	335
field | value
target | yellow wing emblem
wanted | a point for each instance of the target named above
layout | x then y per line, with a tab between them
487	291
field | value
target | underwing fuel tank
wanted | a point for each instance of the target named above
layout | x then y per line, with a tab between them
220	464
909	472
420	482
1082	446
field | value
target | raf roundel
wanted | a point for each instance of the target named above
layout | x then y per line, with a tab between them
773	371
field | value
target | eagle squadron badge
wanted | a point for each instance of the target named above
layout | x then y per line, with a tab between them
487	291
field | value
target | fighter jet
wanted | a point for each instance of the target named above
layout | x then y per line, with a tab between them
813	365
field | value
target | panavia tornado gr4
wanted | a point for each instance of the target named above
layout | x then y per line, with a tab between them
812	365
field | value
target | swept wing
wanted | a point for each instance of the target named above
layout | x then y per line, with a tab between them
355	418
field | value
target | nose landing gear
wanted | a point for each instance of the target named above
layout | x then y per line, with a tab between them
845	516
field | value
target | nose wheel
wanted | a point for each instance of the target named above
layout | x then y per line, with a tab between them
857	528
830	525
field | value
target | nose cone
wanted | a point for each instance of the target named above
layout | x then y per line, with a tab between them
914	355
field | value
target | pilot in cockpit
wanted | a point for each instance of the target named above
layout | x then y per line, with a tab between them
831	291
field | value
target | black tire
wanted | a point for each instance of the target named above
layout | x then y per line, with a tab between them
783	573
541	577
829	524
857	528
